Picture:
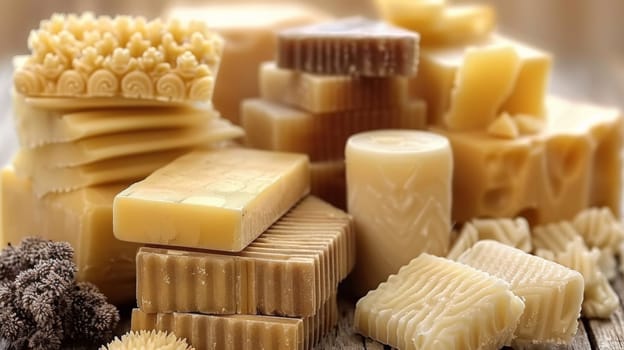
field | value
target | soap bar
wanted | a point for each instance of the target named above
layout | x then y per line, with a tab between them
93	149
221	199
36	127
418	307
599	228
552	293
129	57
512	232
122	169
328	182
329	93
84	219
249	30
399	193
451	79
351	46
273	126
244	332
465	239
570	165
74	104
290	270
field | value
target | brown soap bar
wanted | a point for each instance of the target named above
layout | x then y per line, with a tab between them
328	182
290	270
352	46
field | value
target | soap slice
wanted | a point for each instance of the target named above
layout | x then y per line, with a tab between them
84	219
244	332
290	270
118	145
273	126
351	46
437	303
329	93
552	293
221	199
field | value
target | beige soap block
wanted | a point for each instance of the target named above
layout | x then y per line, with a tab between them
36	127
98	148
221	199
273	126
599	228
329	93
74	104
399	193
328	181
466	238
249	30
572	164
452	78
436	303
552	293
83	218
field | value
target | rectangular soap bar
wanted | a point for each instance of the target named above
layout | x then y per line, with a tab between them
329	93
249	30
273	126
351	46
552	293
434	302
104	147
328	182
221	199
83	218
36	126
244	332
290	270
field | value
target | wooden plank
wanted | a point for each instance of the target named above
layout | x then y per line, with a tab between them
609	334
343	336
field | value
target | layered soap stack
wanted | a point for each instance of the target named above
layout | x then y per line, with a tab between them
330	81
239	257
98	104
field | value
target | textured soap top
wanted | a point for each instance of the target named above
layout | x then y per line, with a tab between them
397	142
88	56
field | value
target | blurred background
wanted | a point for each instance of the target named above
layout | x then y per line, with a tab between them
586	36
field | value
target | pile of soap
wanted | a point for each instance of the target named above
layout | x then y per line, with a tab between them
99	103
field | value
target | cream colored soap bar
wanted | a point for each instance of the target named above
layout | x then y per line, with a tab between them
599	228
221	199
249	30
273	126
328	181
435	303
512	232
84	219
498	75
572	164
98	148
290	270
329	93
552	293
399	193
36	127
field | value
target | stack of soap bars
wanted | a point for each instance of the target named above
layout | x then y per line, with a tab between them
98	104
330	81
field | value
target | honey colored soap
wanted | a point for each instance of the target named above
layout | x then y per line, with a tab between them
435	303
84	219
249	30
399	193
351	46
273	126
129	57
290	270
552	293
221	199
328	182
329	93
244	332
570	165
105	147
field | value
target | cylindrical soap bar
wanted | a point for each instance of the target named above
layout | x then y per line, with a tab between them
399	193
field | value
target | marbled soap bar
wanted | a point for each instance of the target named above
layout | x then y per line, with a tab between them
84	219
436	303
273	126
242	332
552	293
290	270
330	93
220	199
351	46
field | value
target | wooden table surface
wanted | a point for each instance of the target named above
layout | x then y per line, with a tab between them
592	334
